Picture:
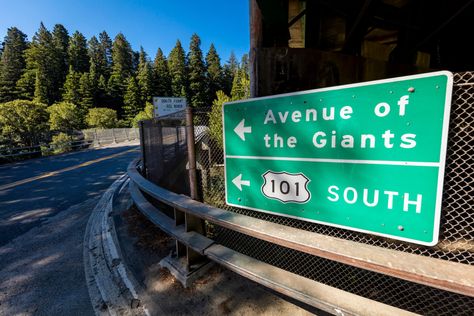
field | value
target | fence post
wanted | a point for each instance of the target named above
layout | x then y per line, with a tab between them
113	135
96	137
191	154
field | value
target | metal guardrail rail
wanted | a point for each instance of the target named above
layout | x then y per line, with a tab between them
313	293
441	274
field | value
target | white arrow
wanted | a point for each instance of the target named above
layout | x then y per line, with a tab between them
239	182
241	129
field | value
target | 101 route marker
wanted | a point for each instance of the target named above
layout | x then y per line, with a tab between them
367	157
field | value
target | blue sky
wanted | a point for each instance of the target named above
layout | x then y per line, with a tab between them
149	23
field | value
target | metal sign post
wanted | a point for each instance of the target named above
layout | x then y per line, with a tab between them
367	157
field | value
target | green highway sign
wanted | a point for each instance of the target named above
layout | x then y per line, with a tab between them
367	157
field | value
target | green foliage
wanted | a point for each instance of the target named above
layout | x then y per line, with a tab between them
214	73
230	69
86	92
25	86
12	62
215	117
61	143
22	122
177	69
132	100
77	53
106	52
64	117
145	77
161	76
60	42
196	73
146	114
101	118
71	87
41	57
241	84
122	57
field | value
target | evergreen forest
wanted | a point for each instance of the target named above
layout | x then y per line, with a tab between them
58	82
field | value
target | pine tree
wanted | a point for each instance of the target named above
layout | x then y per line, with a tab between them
41	57
122	57
121	70
77	52
241	82
25	86
214	73
12	63
177	69
229	72
105	44
72	86
132	100
145	77
161	76
197	73
61	43
86	92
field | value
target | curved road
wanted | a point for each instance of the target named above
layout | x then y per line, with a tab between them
44	207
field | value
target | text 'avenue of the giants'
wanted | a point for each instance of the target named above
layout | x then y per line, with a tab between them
322	139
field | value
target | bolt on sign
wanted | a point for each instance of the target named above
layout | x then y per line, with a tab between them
367	157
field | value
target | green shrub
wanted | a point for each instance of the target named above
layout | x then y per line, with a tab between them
61	143
23	123
64	117
215	117
146	114
101	118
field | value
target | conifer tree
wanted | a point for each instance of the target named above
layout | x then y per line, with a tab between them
241	82
197	73
61	43
132	100
177	69
145	77
72	87
12	62
214	73
121	69
86	92
41	57
105	44
161	76
77	52
229	72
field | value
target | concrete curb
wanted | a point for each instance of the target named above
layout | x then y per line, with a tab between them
112	288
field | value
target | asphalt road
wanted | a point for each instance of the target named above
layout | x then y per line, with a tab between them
44	207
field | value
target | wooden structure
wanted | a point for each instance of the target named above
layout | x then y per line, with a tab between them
306	44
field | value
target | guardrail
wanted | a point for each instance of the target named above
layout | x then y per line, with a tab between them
91	137
39	149
305	290
426	273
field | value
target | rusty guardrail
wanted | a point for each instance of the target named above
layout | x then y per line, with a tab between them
313	293
441	274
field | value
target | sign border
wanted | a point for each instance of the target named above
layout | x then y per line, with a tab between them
442	158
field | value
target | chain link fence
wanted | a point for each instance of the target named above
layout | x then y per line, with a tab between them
456	231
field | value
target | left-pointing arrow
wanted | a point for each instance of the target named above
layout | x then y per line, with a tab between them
239	182
241	129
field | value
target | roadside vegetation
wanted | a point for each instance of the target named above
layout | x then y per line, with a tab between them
59	83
